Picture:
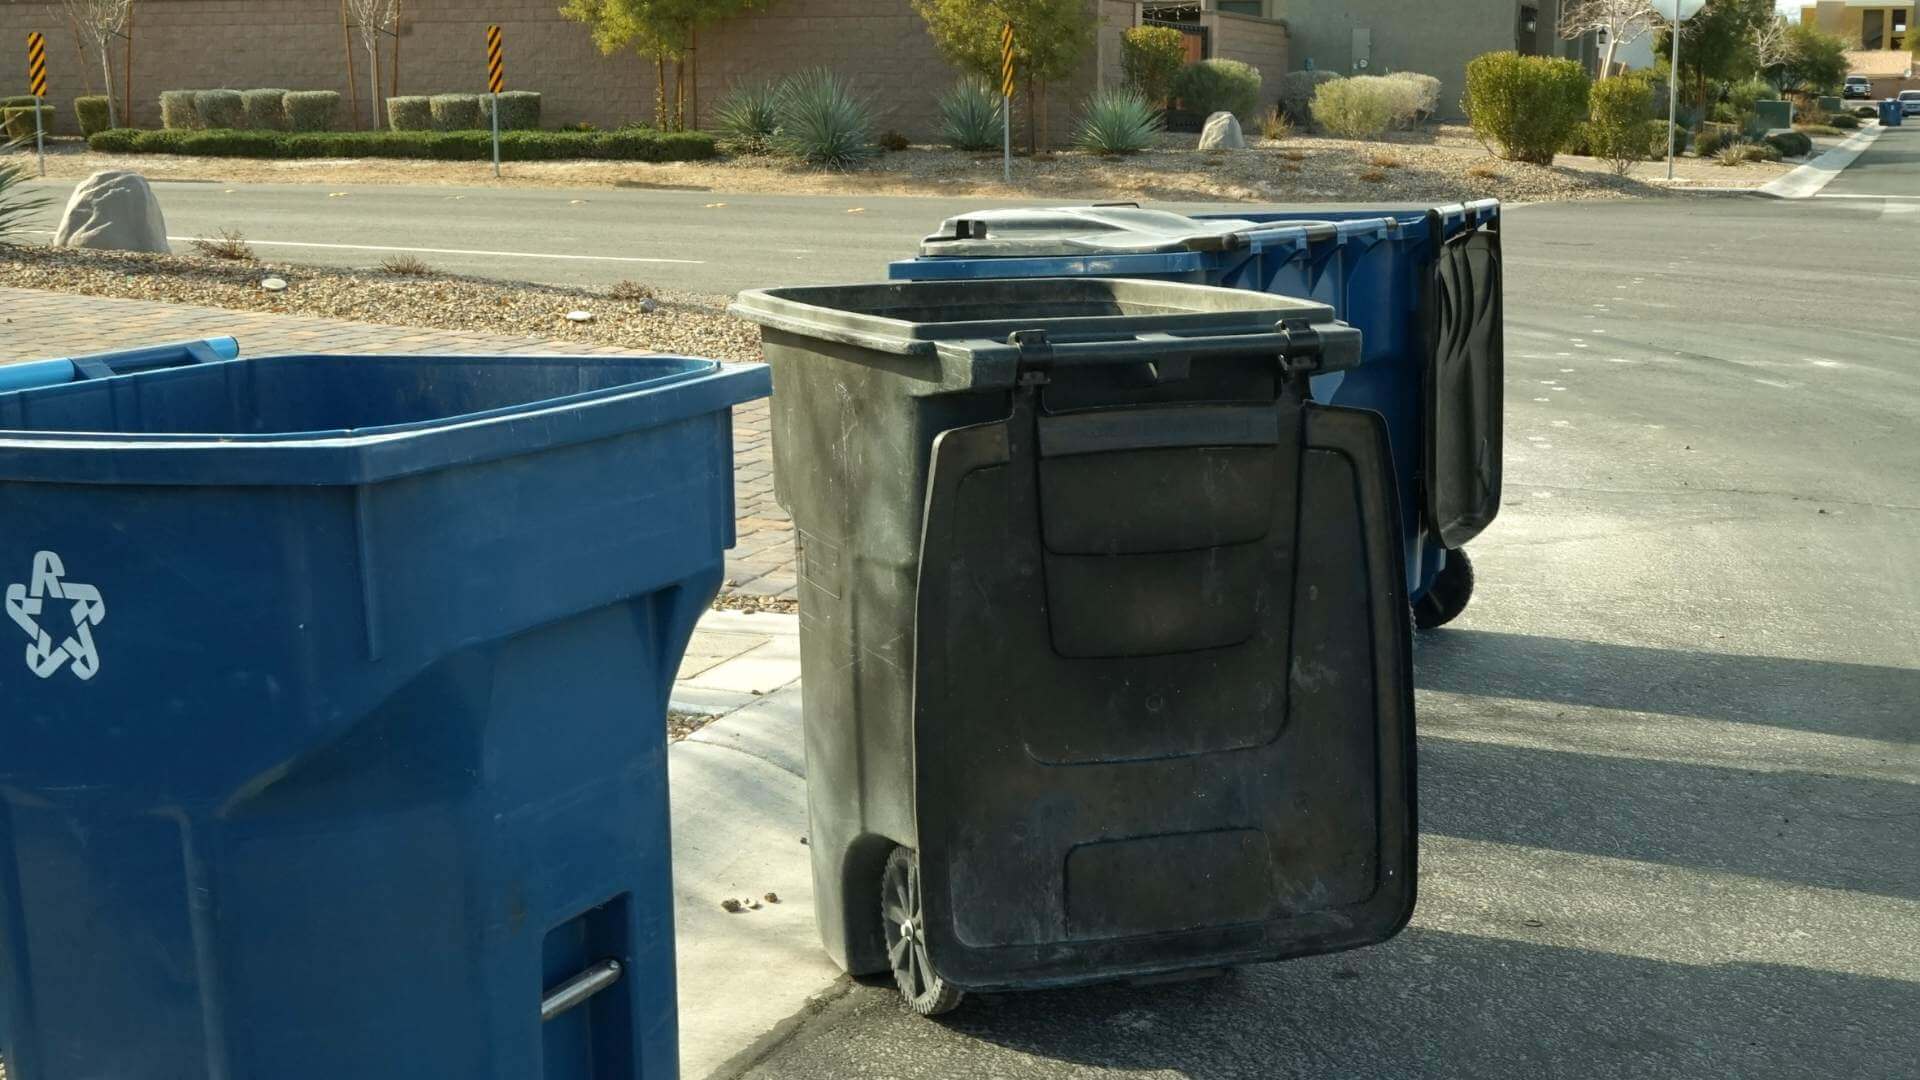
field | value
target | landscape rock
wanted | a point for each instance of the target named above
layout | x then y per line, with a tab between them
1222	133
113	211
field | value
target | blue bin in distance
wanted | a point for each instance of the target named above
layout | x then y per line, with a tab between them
334	721
1890	113
1431	341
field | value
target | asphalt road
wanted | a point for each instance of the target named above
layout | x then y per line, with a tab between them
1670	756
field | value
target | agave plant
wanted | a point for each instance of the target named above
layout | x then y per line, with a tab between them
970	116
17	203
750	115
823	122
1117	121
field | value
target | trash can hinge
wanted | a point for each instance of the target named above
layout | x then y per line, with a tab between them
1036	356
1301	348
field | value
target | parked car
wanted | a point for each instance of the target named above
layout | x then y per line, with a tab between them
1857	86
1910	103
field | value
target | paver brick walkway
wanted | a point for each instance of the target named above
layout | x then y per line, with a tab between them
36	324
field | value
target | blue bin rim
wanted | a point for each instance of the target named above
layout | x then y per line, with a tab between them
374	454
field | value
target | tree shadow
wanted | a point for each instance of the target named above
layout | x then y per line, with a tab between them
1862	701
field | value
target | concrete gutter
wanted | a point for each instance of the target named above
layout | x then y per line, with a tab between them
739	795
1807	180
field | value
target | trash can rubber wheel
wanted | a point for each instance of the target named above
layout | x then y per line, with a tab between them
1448	595
902	917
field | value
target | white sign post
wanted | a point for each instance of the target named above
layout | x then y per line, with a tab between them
1676	12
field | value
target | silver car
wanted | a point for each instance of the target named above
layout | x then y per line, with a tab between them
1910	103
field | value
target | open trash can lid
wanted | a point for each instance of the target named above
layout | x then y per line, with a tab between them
1038	232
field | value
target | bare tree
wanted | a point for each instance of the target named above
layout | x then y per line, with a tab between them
102	21
1772	43
1623	22
375	18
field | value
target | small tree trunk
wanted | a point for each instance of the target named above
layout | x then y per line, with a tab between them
106	70
1033	118
1606	61
660	92
679	94
373	53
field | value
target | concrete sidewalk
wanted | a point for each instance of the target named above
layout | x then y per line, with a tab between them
739	822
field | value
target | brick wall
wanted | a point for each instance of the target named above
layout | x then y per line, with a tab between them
882	45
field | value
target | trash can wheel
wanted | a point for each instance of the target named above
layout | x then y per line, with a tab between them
1448	595
902	917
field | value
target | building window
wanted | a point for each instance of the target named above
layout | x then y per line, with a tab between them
1873	29
1244	7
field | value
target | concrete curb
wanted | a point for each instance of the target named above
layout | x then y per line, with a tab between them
739	812
1807	180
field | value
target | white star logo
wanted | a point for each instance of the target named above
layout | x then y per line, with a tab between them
88	610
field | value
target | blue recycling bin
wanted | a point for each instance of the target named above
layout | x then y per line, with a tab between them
1890	113
333	741
1421	284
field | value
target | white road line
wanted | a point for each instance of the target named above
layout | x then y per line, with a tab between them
1808	179
459	251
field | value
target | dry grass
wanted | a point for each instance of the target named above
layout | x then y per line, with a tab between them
1374	176
228	245
407	266
1483	171
1301	155
633	291
1289	166
1274	125
1381	159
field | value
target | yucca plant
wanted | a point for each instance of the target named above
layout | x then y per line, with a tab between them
823	122
970	116
749	115
17	204
1117	121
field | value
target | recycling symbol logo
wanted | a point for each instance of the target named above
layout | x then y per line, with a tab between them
42	596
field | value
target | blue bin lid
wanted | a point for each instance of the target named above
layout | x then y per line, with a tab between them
346	419
1040	232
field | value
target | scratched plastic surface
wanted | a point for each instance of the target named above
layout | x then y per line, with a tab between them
333	715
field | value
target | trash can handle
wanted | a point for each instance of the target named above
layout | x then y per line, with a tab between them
1328	347
39	373
574	993
1245	238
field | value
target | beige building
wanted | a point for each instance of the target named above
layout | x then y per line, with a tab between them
1866	25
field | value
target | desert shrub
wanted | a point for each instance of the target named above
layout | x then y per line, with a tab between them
1119	121
17	120
19	204
219	109
893	141
1845	122
406	265
1723	112
228	244
1297	90
519	110
1152	57
1426	93
176	110
1761	151
1525	107
94	112
970	115
1212	86
1790	143
632	144
1360	108
265	110
1742	95
1580	142
823	121
1620	109
456	112
749	115
1817	129
1657	139
410	113
1274	125
311	110
1713	138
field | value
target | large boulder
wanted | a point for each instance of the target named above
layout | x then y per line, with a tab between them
113	211
1222	133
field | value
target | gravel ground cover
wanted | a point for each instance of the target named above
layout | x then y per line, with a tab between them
1443	164
637	317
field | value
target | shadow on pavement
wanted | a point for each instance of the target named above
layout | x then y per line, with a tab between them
1856	700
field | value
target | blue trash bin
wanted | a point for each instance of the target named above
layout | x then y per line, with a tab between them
1890	113
334	727
1422	285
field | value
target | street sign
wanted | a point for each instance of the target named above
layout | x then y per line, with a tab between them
1678	10
496	82
37	82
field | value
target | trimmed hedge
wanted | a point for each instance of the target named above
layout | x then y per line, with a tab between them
1212	86
1528	107
409	113
1845	122
17	120
266	109
94	112
1296	93
519	110
176	110
456	112
633	144
1790	143
1714	138
311	110
219	108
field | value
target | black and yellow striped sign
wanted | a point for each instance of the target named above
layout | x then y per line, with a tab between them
37	64
496	62
1006	61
